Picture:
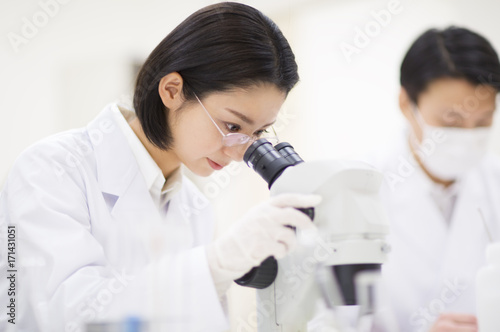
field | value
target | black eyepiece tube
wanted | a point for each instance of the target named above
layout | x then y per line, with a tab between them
269	162
263	158
287	151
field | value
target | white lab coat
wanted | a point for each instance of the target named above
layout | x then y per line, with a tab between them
433	264
91	244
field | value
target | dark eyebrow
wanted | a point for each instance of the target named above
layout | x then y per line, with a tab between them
246	119
243	117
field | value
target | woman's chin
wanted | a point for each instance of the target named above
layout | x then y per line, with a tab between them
201	171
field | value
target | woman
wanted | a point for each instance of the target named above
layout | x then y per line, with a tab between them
107	227
440	182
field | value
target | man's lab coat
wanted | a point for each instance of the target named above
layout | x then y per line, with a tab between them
433	263
91	244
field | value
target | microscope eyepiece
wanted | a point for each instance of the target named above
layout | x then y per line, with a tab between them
264	159
287	151
269	162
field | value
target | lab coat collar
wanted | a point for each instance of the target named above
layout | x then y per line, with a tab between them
118	174
116	166
418	188
161	189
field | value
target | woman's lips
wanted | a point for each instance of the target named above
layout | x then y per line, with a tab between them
214	165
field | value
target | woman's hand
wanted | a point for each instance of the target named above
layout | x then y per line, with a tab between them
261	233
451	322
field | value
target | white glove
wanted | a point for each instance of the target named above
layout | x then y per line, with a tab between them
261	233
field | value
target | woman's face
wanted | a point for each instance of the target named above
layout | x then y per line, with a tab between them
197	141
449	102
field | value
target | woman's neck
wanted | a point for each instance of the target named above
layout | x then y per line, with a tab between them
166	160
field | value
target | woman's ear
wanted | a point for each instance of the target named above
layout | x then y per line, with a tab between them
405	104
170	90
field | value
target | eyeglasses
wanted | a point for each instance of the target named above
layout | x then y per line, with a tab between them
233	139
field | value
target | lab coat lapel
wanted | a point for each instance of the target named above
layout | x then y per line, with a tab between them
414	199
121	181
467	242
419	234
412	210
467	232
140	221
178	225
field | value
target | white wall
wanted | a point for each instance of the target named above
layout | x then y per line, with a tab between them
81	59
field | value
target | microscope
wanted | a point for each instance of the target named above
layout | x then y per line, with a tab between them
338	266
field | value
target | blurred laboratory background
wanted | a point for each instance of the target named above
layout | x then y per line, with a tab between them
63	61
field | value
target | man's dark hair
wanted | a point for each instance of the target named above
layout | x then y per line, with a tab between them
453	52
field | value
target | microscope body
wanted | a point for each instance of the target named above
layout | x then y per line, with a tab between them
352	226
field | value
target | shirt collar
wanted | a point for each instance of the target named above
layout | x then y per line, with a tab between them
161	189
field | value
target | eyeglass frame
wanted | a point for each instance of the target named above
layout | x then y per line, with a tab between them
225	136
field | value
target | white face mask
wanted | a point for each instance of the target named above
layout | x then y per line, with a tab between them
449	152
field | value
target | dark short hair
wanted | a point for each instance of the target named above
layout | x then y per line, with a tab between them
453	52
218	48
